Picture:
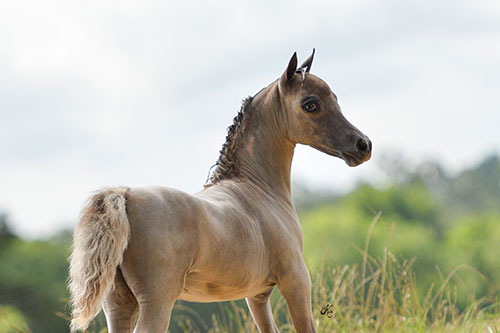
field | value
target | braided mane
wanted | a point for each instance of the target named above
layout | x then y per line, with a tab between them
227	165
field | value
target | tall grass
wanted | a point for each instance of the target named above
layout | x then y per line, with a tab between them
379	295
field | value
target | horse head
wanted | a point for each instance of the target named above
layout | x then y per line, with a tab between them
313	115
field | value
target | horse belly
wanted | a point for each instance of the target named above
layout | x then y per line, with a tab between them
225	288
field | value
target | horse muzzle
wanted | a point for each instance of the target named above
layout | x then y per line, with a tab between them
361	153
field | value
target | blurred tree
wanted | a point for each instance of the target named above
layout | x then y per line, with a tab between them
405	203
305	197
6	235
473	190
476	189
32	278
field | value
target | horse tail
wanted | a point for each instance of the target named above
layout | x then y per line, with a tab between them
100	238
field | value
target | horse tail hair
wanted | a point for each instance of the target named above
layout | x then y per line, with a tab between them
99	241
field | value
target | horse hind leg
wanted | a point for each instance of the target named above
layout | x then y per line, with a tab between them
120	306
260	308
156	300
155	316
155	307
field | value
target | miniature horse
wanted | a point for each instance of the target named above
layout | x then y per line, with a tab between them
137	250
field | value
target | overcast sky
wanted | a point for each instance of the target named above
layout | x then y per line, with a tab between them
101	93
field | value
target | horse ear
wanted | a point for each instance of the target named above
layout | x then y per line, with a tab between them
308	63
289	73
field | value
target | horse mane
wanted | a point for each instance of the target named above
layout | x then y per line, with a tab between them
227	165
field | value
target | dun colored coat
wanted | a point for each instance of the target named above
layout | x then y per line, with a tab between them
137	250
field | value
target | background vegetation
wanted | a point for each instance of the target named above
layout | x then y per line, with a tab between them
420	251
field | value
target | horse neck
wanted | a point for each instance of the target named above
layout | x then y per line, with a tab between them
265	155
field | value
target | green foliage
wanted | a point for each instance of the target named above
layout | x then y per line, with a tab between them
32	278
474	240
407	203
12	320
6	235
331	232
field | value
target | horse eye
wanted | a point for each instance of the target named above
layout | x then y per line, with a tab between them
310	106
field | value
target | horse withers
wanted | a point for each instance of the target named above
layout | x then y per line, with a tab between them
137	250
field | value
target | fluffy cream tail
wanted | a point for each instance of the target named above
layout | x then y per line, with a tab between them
99	240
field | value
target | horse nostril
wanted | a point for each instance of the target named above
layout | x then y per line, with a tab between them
363	146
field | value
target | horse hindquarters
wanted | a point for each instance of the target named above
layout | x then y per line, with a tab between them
159	253
99	240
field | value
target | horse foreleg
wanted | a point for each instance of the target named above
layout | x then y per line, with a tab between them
295	286
260	308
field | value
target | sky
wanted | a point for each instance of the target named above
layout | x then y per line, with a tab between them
105	93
